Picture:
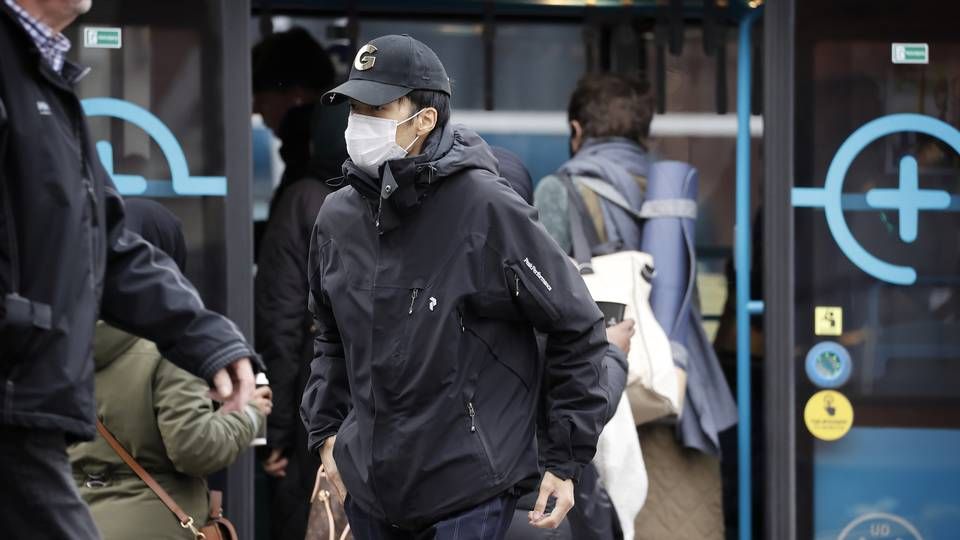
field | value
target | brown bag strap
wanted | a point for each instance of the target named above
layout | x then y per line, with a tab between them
216	503
185	521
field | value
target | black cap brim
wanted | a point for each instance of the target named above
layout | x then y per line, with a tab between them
368	92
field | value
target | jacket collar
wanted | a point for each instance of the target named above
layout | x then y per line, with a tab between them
403	183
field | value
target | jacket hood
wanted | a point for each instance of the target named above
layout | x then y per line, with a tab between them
110	343
404	183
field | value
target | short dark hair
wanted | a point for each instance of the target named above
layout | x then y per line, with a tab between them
291	59
422	99
609	105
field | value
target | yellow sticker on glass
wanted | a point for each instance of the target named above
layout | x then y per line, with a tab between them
828	415
828	321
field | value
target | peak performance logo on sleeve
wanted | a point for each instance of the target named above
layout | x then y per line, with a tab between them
537	273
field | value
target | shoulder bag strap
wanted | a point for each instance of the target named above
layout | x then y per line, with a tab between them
185	521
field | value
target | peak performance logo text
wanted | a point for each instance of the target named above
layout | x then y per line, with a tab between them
537	273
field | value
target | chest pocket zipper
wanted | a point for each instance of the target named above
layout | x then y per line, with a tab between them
532	289
413	299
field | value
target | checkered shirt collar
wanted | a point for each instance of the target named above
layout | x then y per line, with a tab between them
52	45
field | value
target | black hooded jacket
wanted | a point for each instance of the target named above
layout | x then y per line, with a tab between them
62	237
427	288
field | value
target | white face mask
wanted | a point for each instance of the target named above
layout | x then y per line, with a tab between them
371	141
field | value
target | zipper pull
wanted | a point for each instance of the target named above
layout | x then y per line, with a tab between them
379	211
516	276
413	299
473	416
462	327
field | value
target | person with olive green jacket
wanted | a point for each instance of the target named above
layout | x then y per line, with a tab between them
165	418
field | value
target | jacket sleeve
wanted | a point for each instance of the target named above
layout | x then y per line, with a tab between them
326	398
549	292
145	293
282	318
198	439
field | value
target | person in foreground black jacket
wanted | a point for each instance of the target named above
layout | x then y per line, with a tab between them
429	277
66	260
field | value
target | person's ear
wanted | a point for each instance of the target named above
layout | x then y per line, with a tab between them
426	121
576	135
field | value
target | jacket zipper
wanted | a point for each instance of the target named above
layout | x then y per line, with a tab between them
472	411
94	204
516	285
377	220
373	401
413	299
94	224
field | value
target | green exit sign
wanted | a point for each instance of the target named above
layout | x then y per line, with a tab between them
910	53
102	38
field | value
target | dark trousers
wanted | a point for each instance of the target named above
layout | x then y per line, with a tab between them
521	529
39	498
488	521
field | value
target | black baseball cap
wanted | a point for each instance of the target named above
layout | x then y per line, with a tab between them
389	68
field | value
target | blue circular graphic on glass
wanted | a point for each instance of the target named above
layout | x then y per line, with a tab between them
829	365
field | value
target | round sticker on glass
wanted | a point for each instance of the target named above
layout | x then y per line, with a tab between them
880	526
829	365
828	415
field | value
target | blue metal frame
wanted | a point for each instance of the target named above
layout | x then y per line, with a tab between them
742	255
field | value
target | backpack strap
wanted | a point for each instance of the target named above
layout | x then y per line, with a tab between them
583	233
679	208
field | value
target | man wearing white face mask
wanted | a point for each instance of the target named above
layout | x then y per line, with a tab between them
428	279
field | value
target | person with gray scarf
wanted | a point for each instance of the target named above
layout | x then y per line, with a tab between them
610	118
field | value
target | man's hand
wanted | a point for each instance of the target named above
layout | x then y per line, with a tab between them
276	464
234	385
551	486
328	469
620	334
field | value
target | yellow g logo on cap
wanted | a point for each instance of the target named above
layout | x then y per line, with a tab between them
365	58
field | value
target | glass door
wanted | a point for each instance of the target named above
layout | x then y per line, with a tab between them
876	309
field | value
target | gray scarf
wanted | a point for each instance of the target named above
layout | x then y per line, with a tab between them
618	161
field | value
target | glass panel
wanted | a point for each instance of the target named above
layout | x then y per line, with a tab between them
537	65
169	67
883	297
